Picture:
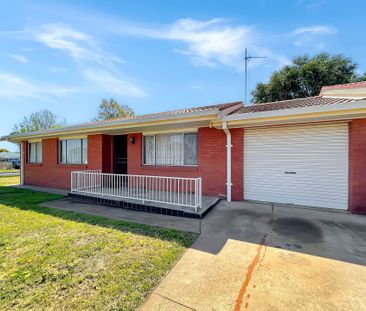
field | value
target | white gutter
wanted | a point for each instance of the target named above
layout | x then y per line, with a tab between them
228	160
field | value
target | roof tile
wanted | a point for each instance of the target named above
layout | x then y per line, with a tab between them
177	112
294	103
345	86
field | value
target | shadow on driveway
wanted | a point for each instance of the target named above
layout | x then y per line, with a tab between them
330	234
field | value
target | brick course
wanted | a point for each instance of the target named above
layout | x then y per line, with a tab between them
357	166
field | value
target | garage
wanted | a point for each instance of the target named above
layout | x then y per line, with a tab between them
302	165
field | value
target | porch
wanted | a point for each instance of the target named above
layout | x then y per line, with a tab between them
174	196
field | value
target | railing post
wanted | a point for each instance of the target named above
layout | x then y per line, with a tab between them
200	192
101	184
71	181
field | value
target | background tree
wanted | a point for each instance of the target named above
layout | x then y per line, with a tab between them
305	76
38	121
362	78
109	109
4	150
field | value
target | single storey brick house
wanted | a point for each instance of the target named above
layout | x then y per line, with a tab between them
309	151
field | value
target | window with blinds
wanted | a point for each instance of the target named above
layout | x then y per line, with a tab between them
170	149
35	152
73	151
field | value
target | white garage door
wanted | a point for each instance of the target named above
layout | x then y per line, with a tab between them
303	165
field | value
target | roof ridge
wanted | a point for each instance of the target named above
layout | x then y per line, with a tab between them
285	100
180	110
170	115
296	103
344	85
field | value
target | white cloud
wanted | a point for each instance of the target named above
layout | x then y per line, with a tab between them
19	58
310	36
207	43
98	67
211	42
78	45
314	30
13	86
113	84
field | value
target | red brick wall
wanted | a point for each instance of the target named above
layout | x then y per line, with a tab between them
107	154
52	174
211	162
237	163
357	166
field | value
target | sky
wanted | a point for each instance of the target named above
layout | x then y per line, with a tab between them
66	56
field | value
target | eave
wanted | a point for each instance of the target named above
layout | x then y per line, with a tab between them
343	111
194	119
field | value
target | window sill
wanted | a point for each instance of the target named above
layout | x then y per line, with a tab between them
188	168
70	165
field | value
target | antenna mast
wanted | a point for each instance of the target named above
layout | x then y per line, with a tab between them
247	59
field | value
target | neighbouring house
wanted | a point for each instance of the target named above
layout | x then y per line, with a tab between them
309	151
9	160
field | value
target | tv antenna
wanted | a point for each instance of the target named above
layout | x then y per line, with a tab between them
247	58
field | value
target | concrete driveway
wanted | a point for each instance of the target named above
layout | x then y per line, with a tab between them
250	259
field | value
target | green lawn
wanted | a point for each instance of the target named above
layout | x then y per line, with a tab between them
8	181
52	259
9	171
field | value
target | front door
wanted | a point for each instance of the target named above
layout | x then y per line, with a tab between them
120	154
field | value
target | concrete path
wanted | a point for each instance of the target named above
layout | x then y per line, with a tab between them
250	259
182	224
43	189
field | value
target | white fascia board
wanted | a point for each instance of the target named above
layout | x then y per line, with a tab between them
101	125
172	131
296	111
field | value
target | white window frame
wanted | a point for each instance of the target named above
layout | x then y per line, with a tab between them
83	158
167	134
38	145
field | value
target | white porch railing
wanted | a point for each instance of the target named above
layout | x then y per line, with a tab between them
171	190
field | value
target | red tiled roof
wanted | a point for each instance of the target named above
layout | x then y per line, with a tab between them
293	103
345	86
226	108
177	112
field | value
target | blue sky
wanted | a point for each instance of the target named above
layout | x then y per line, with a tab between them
157	55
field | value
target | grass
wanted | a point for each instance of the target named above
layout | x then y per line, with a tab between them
9	181
9	171
53	259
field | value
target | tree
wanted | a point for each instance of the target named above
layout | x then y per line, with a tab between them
362	78
4	150
109	109
38	121
305	76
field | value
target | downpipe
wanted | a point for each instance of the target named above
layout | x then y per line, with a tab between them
228	160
